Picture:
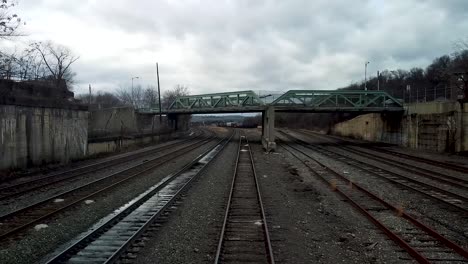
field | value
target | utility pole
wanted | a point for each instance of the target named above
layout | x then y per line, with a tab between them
365	75
136	77
378	81
89	103
159	94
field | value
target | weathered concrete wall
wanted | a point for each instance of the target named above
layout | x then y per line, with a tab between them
38	135
118	144
372	127
434	126
124	121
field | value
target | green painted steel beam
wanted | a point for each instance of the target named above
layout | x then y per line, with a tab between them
295	100
217	100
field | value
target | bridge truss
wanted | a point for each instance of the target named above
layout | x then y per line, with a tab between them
291	101
338	100
231	101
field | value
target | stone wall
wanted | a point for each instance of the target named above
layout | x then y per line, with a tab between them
32	135
433	126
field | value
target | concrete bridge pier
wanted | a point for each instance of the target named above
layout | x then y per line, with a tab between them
268	129
173	121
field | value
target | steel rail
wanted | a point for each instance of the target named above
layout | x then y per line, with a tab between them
266	237
10	191
393	235
441	177
457	182
138	215
439	192
91	189
432	162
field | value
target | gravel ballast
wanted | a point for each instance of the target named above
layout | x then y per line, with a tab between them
191	231
65	226
309	223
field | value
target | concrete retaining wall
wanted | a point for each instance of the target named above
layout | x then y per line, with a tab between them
38	135
124	121
434	126
118	144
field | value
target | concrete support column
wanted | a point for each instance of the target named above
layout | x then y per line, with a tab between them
268	129
173	120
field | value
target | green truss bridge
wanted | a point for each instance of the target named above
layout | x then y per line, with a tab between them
291	101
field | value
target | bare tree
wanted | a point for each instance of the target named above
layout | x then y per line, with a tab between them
57	60
100	100
9	22
150	98
460	67
170	95
138	97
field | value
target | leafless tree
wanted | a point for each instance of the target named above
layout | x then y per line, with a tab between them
150	98
57	60
460	67
100	100
138	97
9	22
169	95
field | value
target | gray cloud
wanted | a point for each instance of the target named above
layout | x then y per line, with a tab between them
214	46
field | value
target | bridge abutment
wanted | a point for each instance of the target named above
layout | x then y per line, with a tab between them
268	129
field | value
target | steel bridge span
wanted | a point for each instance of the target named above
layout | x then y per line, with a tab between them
306	101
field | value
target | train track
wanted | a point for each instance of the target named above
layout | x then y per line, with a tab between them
451	181
10	191
420	241
15	222
244	236
455	201
108	241
436	163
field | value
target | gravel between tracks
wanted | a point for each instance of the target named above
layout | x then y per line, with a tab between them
26	199
309	223
439	216
191	231
65	226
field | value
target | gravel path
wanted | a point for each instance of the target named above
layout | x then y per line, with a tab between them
191	231
66	226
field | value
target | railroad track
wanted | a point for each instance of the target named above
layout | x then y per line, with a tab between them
10	191
244	236
420	241
432	162
455	201
109	240
15	222
449	180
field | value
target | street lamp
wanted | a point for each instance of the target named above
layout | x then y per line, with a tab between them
136	77
365	75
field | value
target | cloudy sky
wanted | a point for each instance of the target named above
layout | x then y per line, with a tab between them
226	45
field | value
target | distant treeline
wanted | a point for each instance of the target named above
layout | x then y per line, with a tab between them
445	78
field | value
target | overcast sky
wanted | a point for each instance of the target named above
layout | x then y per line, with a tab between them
215	46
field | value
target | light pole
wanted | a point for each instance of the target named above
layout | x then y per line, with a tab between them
365	75
136	77
159	92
